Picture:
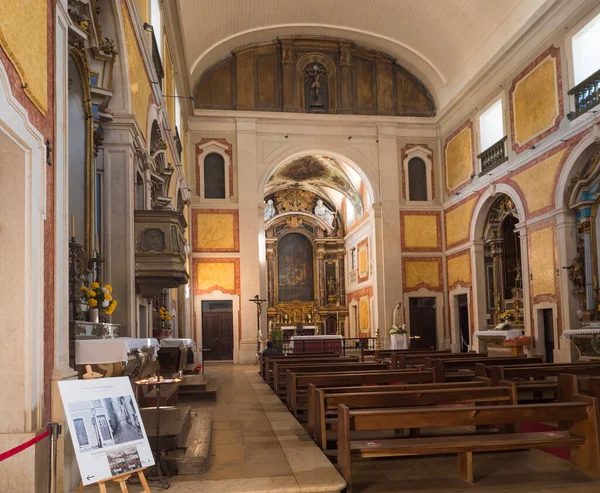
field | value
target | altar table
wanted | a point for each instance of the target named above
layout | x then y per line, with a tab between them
316	344
103	351
181	343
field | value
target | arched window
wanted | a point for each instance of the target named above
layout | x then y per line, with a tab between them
417	180
214	176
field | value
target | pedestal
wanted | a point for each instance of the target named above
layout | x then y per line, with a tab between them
398	341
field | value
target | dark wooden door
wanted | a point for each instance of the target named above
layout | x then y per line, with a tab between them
422	323
548	334
217	331
463	322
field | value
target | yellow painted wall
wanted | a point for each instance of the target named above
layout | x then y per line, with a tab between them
541	261
364	312
422	272
24	38
143	9
535	101
420	231
459	158
363	260
220	274
140	86
459	269
458	222
215	231
537	182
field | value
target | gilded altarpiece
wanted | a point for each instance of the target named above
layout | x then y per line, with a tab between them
305	265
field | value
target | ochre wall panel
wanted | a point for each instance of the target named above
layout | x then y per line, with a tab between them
24	38
459	270
459	157
458	223
538	182
266	80
421	231
245	79
365	83
215	275
364	315
422	273
140	86
541	261
142	6
536	100
215	230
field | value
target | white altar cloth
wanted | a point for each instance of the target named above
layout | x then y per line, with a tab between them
101	351
176	342
508	334
584	331
399	341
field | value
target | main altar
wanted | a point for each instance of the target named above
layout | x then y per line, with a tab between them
305	252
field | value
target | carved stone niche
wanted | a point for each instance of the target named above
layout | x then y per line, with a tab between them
159	251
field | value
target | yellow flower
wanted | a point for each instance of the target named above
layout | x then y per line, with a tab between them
109	287
107	297
95	285
91	293
82	288
92	302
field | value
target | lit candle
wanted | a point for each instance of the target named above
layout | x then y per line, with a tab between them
73	226
97	246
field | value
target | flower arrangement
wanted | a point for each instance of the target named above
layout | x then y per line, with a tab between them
164	314
506	316
100	297
395	329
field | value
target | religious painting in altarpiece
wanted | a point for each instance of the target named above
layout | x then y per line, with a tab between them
295	268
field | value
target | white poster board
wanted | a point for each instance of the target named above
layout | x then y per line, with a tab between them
106	427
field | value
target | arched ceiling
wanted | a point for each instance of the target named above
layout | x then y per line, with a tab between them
444	42
322	175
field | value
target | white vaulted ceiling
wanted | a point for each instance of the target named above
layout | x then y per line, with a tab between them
444	42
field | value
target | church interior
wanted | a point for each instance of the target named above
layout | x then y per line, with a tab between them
285	225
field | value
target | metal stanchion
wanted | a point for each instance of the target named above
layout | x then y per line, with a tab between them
55	430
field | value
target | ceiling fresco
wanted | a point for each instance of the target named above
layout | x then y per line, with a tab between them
316	173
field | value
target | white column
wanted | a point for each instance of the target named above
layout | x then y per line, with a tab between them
388	285
566	229
478	290
250	236
119	270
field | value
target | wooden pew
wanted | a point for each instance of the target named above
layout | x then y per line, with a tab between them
447	369
387	353
312	392
297	382
401	361
540	371
582	414
292	355
270	362
410	397
280	369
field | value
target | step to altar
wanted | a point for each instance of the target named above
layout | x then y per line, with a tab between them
197	388
185	434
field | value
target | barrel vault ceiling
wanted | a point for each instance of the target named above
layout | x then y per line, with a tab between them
444	42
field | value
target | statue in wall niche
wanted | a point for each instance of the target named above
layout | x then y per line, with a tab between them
324	213
331	286
269	210
577	273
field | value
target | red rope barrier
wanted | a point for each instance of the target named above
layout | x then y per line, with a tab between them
23	446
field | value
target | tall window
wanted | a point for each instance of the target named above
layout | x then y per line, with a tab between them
177	112
353	259
417	179
586	50
214	176
491	126
156	21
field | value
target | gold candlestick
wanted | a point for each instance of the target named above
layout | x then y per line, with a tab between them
73	226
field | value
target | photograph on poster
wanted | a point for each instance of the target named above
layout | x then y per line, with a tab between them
123	460
106	427
105	422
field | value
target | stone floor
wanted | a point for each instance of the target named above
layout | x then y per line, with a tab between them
258	447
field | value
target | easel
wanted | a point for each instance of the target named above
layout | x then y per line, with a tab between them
121	479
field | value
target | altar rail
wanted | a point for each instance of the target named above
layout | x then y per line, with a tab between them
351	346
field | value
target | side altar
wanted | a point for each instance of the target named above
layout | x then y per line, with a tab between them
586	339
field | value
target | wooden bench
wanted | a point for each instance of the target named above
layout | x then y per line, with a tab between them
582	435
280	369
326	403
541	371
298	382
270	362
401	361
301	356
387	353
450	369
312	391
